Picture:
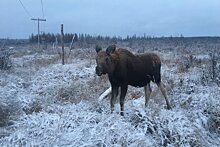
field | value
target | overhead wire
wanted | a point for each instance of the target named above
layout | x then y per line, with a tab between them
27	12
42	8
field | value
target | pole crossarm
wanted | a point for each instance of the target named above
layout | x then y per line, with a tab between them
38	28
38	19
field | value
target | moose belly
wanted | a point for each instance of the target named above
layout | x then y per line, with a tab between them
138	81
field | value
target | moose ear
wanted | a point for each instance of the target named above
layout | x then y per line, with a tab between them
98	48
111	49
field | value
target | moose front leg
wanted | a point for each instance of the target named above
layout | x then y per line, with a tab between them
124	89
113	96
147	91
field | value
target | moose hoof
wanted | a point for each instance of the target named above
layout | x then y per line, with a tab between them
169	108
146	104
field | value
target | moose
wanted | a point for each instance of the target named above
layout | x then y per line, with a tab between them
125	68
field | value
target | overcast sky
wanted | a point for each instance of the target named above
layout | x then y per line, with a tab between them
112	17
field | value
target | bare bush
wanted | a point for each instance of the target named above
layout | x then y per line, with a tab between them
211	70
167	130
214	123
187	61
35	106
10	109
5	62
213	111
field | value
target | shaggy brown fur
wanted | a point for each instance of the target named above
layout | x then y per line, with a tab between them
124	68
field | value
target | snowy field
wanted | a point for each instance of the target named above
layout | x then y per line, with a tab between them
44	103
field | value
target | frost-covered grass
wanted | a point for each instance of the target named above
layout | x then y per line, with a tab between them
56	105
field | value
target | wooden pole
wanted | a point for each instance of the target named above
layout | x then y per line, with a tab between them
38	29
62	42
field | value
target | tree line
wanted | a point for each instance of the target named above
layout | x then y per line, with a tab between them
51	38
142	43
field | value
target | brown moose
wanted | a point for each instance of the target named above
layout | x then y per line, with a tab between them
124	68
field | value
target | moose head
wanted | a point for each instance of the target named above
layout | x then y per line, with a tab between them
105	60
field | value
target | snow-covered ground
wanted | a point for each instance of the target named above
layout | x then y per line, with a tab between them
44	103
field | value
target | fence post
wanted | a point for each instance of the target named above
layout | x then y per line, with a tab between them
62	42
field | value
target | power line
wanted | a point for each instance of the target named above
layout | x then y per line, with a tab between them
42	6
27	12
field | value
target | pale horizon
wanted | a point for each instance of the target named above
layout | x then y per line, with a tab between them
111	18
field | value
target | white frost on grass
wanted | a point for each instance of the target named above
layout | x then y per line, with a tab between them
90	123
46	82
85	124
76	125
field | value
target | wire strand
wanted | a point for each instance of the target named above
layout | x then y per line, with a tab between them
27	12
42	6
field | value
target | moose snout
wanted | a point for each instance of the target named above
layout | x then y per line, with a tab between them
98	71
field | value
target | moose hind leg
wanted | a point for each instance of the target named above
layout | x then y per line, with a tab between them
147	91
162	89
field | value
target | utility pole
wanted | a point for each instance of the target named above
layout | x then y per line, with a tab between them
38	26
